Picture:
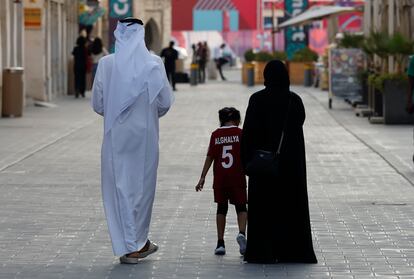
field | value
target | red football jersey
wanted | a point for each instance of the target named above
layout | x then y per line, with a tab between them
225	150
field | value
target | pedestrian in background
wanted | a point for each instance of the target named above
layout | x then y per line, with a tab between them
220	60
202	61
97	52
279	225
194	56
131	92
81	56
170	55
208	54
229	179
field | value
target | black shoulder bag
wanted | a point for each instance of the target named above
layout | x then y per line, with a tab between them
266	163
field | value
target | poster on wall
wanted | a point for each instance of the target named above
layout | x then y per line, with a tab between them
117	9
344	65
33	14
296	38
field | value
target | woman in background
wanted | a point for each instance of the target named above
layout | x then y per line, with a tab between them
97	52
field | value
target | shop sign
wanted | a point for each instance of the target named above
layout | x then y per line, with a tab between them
117	9
344	67
120	8
33	18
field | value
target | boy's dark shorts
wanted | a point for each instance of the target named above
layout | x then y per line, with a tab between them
236	195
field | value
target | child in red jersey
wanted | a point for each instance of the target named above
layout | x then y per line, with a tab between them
229	178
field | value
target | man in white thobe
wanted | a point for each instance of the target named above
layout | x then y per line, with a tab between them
131	91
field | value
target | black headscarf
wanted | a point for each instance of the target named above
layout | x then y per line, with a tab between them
276	75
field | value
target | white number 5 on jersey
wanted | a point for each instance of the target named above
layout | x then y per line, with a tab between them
227	154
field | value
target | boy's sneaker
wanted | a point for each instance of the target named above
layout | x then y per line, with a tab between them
220	248
220	251
241	240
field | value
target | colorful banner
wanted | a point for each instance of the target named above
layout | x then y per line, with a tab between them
117	9
318	40
89	17
296	38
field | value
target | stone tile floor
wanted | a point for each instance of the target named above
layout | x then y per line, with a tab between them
52	223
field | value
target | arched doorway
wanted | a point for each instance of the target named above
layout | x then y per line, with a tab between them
153	36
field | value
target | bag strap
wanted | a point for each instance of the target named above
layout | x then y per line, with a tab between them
284	126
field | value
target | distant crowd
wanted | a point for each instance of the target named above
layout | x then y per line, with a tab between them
87	53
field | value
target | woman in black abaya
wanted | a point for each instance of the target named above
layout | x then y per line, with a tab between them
278	215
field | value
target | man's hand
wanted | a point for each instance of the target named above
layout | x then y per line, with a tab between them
200	184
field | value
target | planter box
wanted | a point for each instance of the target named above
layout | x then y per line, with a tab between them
375	103
258	72
394	103
364	92
297	72
245	66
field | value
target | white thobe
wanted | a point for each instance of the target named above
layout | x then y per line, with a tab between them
129	161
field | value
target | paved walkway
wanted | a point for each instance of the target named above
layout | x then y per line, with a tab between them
52	223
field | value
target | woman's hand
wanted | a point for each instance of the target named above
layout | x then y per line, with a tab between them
200	184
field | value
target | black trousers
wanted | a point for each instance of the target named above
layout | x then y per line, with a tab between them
202	71
80	82
171	77
219	63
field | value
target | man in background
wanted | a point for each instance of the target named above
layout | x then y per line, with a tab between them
170	55
220	60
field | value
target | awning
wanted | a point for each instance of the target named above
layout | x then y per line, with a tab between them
316	13
215	5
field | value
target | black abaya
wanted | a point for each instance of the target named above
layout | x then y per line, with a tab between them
80	58
278	214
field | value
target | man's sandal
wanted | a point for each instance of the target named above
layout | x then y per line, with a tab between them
152	248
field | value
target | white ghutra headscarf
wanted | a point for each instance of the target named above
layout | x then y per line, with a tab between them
135	71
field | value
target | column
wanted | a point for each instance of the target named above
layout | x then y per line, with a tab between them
35	49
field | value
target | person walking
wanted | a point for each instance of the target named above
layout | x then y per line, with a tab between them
221	60
202	61
170	55
279	227
80	54
97	52
207	55
229	178
131	92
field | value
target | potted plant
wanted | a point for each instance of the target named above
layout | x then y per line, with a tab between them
260	61
249	56
392	83
351	41
375	102
280	55
301	61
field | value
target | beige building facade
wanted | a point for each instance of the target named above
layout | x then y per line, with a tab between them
389	16
38	35
50	30
11	36
156	15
